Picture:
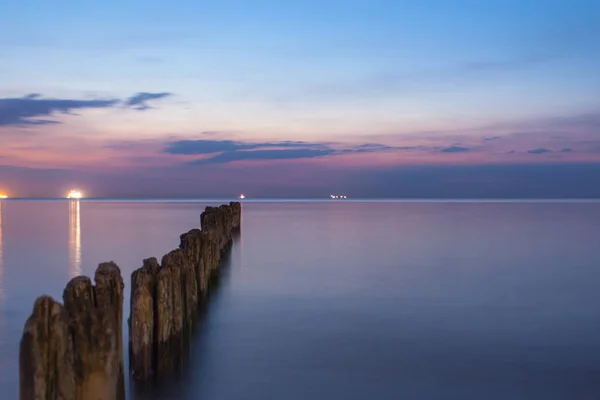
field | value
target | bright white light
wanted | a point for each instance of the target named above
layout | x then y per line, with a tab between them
3	196
74	194
242	196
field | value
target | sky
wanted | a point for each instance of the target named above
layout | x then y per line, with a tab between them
369	98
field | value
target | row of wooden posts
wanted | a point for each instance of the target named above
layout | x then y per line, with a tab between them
74	350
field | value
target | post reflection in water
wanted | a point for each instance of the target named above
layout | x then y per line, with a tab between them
74	239
240	244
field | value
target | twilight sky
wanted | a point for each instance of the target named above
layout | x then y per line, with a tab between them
415	98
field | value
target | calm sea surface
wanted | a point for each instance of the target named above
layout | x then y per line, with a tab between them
346	300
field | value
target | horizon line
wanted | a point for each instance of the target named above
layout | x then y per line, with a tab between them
328	199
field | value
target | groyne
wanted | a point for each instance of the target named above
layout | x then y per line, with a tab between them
74	350
165	298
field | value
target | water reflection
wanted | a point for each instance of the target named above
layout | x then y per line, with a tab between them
74	239
351	300
239	260
1	259
4	342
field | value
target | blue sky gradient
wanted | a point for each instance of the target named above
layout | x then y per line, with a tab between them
108	87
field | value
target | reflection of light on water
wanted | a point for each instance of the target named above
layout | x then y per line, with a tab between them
74	239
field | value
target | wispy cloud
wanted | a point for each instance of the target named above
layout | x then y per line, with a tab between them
285	154
509	64
455	149
373	147
203	146
541	150
26	110
225	151
139	101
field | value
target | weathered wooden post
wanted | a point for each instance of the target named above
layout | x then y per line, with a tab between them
75	351
165	298
46	368
142	329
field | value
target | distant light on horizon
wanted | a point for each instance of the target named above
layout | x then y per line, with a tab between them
242	196
74	194
3	196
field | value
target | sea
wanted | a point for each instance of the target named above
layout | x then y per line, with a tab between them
344	299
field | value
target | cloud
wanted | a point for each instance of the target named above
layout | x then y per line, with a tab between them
25	110
203	146
373	147
541	150
489	139
455	149
285	154
509	64
567	150
139	100
237	150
